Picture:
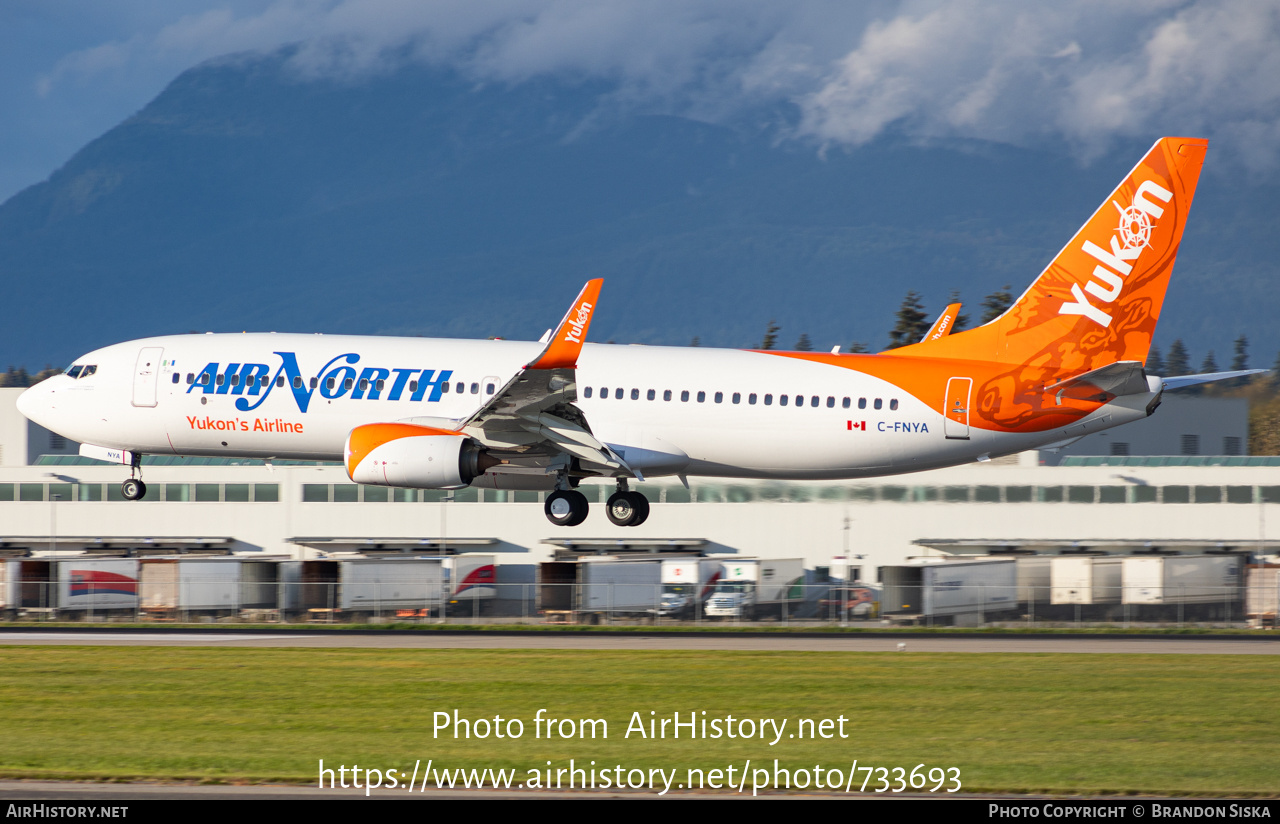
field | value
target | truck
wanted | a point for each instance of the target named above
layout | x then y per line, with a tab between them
686	585
962	591
752	587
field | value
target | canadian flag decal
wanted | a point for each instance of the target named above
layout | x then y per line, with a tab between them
857	425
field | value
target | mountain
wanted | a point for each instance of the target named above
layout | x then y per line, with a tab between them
424	203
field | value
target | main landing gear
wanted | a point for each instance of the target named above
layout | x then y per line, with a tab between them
568	507
626	508
134	489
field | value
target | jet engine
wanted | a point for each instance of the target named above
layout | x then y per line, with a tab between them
418	457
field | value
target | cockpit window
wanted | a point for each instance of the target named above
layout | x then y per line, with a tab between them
74	371
88	370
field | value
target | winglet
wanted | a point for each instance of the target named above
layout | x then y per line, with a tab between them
942	326
562	351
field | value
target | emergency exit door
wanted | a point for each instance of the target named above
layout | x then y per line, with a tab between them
956	426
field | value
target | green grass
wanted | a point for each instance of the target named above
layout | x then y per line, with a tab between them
1166	724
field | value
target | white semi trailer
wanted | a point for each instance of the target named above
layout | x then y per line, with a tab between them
1182	579
962	591
1086	580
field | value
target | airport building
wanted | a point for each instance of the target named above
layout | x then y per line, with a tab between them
55	502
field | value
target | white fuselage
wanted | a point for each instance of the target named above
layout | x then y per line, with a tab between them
686	411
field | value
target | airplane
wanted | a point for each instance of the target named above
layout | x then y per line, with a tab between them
1065	360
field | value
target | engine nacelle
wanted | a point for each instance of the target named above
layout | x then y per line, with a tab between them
418	457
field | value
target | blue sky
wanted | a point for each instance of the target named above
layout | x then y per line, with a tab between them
1077	76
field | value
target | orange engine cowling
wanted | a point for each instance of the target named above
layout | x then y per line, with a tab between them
419	457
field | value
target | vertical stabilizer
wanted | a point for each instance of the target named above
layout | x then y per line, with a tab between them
1097	303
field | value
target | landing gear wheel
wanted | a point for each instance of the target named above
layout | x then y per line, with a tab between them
566	507
627	508
133	489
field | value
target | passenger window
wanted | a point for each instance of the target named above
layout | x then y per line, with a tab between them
617	394
380	384
651	394
176	377
264	380
813	401
460	388
331	382
586	393
279	381
862	403
348	383
475	389
831	402
190	379
413	386
444	387
635	394
845	403
315	382
751	399
235	379
768	400
702	396
204	378
666	394
604	393
364	384
879	403
489	388
782	400
221	380
799	400
297	381
893	404
719	397
684	395
737	397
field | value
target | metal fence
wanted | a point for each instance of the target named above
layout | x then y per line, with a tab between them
382	602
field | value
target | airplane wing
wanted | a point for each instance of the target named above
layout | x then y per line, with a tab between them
534	411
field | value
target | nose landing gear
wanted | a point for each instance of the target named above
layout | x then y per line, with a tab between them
134	489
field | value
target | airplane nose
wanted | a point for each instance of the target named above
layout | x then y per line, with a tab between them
31	402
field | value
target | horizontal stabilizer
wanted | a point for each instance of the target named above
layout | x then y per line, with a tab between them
1208	377
1122	378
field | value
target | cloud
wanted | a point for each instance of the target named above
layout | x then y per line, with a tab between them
1085	74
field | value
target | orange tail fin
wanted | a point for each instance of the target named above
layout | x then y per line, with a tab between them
1098	301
